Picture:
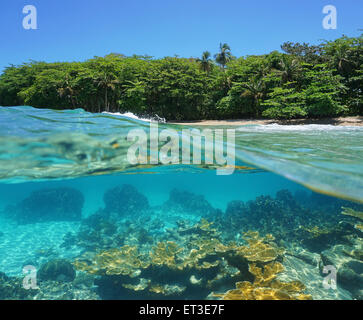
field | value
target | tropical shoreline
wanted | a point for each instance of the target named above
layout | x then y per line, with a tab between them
356	121
301	82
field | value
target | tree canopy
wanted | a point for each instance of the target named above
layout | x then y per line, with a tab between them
303	81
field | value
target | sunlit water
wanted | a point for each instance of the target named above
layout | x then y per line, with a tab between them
61	153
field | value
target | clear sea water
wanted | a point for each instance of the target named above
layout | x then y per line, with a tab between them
45	152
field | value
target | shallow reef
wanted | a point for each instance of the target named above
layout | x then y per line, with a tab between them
194	268
265	286
11	288
270	248
124	200
58	270
57	204
184	201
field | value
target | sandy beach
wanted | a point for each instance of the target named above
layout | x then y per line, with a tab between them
341	121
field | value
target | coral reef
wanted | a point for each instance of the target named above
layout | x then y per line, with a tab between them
55	290
291	222
266	287
59	204
11	288
125	200
96	231
317	239
125	261
194	266
259	249
329	204
266	214
58	270
268	248
180	200
353	213
81	288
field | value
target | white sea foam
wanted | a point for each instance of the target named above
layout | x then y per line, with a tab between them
133	116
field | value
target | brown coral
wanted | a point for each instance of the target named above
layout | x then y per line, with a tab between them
353	213
201	249
123	261
315	232
259	249
266	286
165	253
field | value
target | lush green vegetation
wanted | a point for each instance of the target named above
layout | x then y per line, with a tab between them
304	81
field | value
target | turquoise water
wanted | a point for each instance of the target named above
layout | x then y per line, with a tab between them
94	226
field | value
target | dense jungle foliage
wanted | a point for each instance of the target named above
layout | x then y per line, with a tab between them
305	81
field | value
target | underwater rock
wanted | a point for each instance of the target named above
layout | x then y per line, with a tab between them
180	200
349	269
125	200
59	204
308	257
312	278
57	270
351	274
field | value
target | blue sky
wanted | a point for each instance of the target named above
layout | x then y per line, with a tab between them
70	30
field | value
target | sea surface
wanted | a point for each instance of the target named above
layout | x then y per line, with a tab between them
80	221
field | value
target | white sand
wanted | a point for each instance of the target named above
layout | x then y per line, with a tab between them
28	244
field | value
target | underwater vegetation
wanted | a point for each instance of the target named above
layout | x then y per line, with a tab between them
128	249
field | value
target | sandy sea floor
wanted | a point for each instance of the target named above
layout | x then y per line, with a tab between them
33	244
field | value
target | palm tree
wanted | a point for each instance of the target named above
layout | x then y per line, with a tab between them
339	52
255	89
205	61
289	69
262	70
67	90
106	81
224	55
